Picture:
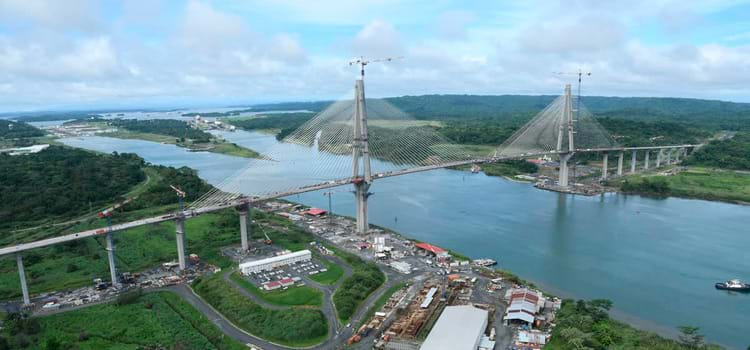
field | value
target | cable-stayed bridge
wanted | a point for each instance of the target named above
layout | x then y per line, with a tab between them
358	141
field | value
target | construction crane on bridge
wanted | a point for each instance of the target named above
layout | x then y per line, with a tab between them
580	75
180	195
362	62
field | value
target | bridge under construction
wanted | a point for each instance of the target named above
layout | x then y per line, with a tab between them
360	141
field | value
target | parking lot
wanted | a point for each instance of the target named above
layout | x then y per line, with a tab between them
294	272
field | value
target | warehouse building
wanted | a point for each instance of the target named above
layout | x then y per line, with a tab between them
458	328
274	262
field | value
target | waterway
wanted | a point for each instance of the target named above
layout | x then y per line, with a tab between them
656	259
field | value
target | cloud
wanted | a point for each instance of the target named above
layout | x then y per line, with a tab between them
377	39
451	25
581	34
51	14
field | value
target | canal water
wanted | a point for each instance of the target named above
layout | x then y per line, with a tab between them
656	259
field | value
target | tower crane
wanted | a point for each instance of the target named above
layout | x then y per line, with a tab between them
580	74
180	195
362	62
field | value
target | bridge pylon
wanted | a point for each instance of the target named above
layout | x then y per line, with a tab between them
565	153
361	153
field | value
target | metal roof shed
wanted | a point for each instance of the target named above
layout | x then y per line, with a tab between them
458	328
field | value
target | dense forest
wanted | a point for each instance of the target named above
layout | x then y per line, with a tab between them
16	130
57	116
732	153
285	122
170	127
62	181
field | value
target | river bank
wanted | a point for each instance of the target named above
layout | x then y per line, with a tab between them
605	246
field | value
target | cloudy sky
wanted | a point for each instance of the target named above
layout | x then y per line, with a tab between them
111	54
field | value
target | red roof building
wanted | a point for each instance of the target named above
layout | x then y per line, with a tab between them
430	248
315	212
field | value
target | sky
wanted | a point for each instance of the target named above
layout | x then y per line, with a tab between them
78	54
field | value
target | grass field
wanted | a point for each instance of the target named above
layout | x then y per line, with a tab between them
329	277
294	296
163	320
292	327
701	183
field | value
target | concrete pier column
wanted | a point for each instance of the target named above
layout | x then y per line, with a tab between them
564	169
22	275
111	259
677	155
180	237
361	192
659	156
633	161
605	165
246	225
669	156
645	161
620	157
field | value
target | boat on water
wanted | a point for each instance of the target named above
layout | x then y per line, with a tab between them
484	262
733	285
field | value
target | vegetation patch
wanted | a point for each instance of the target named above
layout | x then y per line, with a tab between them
701	183
586	325
17	130
366	278
152	321
733	153
291	327
332	274
294	296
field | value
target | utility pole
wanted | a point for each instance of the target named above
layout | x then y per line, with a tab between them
361	145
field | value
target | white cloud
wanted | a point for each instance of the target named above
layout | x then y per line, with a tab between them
377	39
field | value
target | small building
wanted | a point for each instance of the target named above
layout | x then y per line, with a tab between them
272	285
531	339
275	261
433	250
524	305
315	212
458	328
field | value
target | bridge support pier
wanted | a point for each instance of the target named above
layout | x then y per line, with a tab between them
659	157
22	275
645	161
605	166
633	161
246	225
677	155
180	237
361	192
620	157
564	170
669	156
111	258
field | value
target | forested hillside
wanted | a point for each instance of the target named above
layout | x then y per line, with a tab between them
284	122
15	130
64	182
731	153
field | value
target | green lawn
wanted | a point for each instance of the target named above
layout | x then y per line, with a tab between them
294	326
329	277
163	320
294	296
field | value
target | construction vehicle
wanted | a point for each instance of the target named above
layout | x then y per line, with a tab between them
99	284
268	239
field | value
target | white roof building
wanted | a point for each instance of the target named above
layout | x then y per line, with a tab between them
275	261
458	328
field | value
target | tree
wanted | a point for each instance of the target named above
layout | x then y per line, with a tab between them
690	337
